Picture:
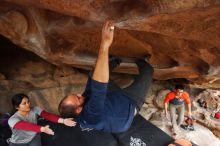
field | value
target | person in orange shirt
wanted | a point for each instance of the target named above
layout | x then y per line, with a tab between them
176	101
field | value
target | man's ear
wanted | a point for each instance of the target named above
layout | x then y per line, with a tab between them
79	95
78	110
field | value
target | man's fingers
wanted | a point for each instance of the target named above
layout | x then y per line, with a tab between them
111	24
106	25
112	28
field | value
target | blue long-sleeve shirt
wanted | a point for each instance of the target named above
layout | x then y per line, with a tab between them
109	112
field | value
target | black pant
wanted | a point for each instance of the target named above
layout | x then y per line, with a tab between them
138	89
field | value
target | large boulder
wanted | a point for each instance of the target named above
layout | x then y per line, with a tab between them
160	98
181	36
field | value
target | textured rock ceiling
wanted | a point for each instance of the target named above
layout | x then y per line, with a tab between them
183	36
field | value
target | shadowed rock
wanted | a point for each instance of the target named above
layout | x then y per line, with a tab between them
181	36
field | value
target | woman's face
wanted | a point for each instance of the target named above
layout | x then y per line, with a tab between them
24	106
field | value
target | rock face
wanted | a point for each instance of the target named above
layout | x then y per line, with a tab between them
181	35
205	114
46	84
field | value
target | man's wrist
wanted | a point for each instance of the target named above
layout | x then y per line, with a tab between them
166	111
190	114
104	46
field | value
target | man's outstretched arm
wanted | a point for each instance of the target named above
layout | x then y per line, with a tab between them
101	71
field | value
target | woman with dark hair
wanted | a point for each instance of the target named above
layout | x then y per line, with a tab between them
23	123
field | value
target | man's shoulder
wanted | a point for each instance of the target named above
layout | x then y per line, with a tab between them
171	94
186	94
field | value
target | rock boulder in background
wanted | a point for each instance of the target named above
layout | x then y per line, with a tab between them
181	35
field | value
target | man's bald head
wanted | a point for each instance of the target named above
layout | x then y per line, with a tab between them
71	105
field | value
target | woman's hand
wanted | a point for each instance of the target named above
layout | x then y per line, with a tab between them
68	121
46	129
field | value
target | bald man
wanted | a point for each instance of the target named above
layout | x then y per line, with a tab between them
104	105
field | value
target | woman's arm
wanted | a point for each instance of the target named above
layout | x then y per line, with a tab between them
49	116
23	125
57	119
